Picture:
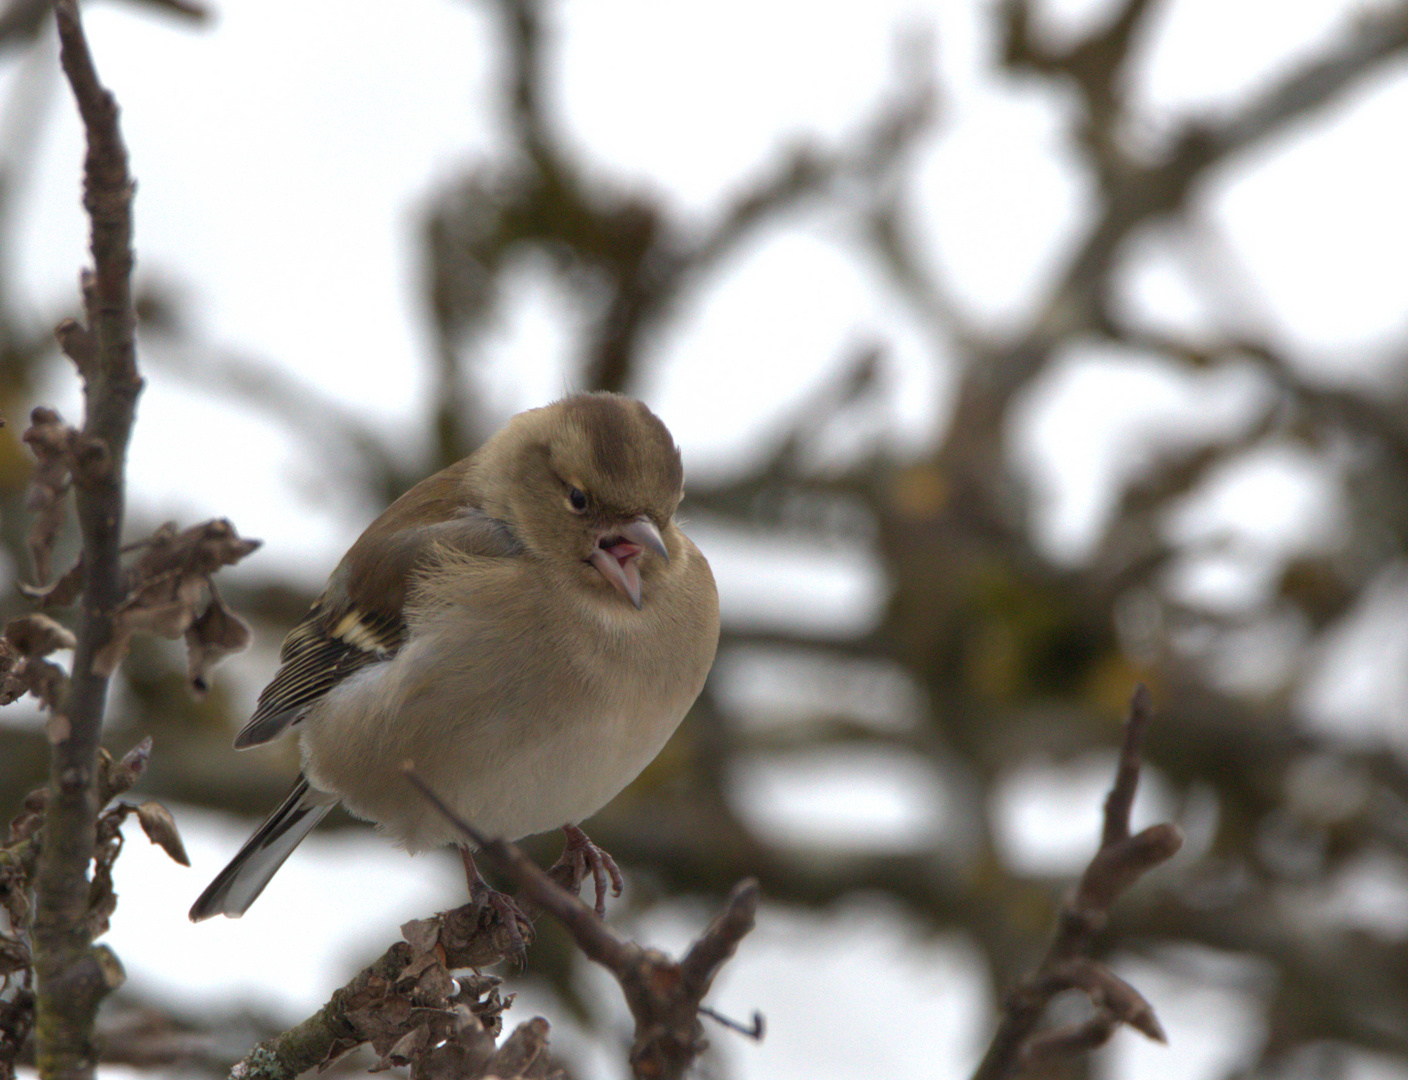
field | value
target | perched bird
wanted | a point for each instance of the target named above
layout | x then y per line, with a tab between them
526	627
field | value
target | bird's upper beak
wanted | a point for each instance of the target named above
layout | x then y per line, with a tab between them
618	551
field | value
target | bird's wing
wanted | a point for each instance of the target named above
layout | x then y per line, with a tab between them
345	630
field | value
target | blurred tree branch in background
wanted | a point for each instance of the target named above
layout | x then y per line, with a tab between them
1014	657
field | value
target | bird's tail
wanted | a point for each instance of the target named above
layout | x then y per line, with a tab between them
237	886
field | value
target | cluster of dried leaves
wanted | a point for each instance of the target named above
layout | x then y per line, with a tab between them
18	865
414	1012
168	589
424	1017
664	995
27	643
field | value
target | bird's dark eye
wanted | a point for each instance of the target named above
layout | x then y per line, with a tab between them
577	499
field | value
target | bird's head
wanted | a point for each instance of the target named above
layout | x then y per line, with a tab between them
593	484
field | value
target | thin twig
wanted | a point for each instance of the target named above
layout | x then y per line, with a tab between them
1120	801
755	1029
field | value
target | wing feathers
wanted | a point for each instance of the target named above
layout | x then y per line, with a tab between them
316	659
358	621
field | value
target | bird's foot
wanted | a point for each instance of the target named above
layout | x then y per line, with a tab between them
579	857
508	911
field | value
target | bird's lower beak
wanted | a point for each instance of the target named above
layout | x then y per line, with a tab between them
618	552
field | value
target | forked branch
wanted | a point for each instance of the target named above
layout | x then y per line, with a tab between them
1120	862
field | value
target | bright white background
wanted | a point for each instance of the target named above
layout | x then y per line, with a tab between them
282	156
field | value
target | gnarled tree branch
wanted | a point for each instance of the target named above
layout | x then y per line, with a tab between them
72	976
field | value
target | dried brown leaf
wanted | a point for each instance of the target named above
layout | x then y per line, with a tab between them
115	778
44	679
524	1053
407	1047
109	967
51	441
164	606
44	532
77	344
382	1021
37	635
61	593
200	550
160	827
29	820
221	546
102	902
421	934
47	436
216	634
464	1049
12	687
435	984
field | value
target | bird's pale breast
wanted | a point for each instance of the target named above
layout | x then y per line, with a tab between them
547	714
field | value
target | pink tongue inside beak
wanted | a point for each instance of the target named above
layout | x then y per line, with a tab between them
618	565
618	555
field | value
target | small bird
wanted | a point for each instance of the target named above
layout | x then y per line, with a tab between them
526	628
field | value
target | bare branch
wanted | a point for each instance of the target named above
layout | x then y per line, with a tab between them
664	996
1121	860
72	976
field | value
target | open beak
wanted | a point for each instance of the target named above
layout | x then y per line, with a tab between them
618	552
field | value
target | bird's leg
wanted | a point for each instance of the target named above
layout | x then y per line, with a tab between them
579	855
505	906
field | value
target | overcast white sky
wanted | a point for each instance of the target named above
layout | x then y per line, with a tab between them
280	173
